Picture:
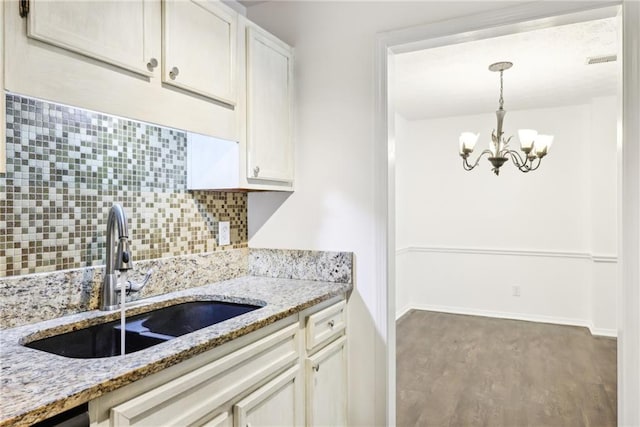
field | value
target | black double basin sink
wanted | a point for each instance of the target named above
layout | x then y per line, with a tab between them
142	330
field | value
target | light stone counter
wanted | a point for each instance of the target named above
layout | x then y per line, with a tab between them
36	385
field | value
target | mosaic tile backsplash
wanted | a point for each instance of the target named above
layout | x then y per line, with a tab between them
67	166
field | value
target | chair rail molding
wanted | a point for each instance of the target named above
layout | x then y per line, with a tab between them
600	258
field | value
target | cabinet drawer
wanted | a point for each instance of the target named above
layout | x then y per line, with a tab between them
326	324
190	399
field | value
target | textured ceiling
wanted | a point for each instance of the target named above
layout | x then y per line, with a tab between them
549	70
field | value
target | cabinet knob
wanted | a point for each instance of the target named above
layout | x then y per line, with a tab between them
256	171
174	73
153	63
332	323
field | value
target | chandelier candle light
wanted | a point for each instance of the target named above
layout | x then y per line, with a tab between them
534	146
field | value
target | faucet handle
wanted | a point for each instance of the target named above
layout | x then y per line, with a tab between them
137	287
123	259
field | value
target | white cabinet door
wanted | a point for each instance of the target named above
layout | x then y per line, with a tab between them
120	33
269	101
199	42
276	404
326	374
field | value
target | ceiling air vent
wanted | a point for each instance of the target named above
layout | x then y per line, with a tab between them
601	59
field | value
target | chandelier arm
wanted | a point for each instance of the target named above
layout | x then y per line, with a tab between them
517	159
532	168
468	166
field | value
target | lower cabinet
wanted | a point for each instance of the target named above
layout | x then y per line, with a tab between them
274	404
265	378
326	393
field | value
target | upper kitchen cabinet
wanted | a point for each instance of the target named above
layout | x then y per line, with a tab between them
264	152
107	56
199	42
118	33
269	108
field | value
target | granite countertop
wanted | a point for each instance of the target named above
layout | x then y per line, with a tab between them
36	385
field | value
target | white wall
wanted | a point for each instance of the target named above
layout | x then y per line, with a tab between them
479	209
467	241
333	205
335	49
404	271
604	215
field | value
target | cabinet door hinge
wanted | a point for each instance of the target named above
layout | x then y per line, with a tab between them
24	8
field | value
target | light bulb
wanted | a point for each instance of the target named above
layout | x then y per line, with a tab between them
543	144
468	141
527	137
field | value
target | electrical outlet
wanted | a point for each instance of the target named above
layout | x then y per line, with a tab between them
516	290
224	233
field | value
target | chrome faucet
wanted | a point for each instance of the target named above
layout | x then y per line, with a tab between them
121	260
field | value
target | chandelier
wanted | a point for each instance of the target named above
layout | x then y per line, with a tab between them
534	146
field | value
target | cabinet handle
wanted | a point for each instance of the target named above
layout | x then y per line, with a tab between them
332	323
174	73
153	63
256	171
316	367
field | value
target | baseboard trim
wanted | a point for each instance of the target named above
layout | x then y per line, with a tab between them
511	316
601	332
402	312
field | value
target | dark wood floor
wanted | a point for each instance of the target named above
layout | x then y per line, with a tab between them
476	371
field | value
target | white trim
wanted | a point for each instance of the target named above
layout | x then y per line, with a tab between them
505	252
601	332
509	252
629	196
384	236
403	311
605	259
512	316
504	315
404	251
496	23
490	24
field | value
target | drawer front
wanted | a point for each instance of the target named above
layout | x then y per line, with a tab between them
191	398
326	324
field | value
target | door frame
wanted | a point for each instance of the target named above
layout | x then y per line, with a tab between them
491	24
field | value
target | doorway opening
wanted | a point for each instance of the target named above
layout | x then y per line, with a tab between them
484	28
